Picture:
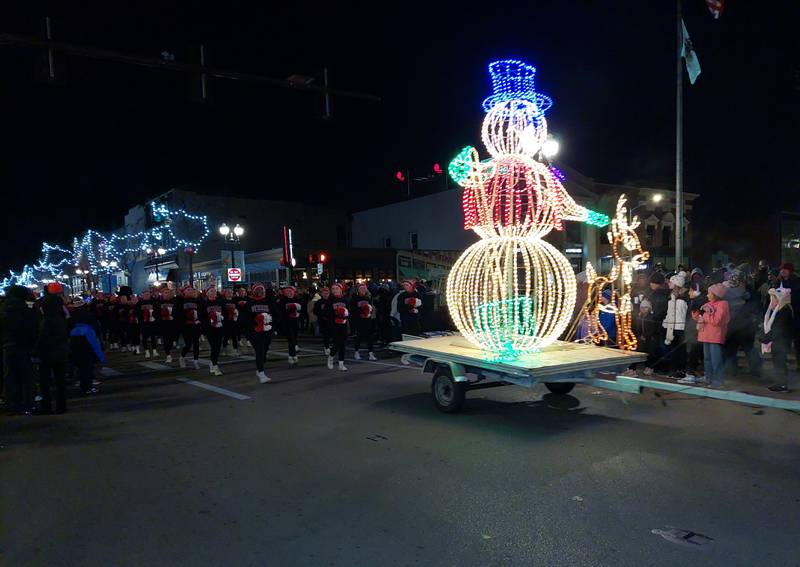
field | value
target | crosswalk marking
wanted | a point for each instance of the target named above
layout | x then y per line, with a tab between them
108	371
212	388
155	366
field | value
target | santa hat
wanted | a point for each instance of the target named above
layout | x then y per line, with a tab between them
412	283
55	288
324	288
209	288
782	294
678	280
788	266
259	289
718	289
294	289
338	285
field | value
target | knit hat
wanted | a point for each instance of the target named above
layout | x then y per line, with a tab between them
259	290
697	271
787	266
125	290
718	289
678	280
782	294
55	288
657	278
736	279
294	289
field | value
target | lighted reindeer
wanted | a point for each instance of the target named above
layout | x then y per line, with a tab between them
628	256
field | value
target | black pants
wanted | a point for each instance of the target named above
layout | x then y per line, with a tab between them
52	370
121	334
780	350
82	357
104	331
364	333
326	330
191	336
695	359
339	341
149	334
677	352
260	342
214	336
169	332
384	328
230	333
292	327
18	379
410	324
133	334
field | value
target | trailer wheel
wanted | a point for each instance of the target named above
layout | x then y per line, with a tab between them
448	395
560	388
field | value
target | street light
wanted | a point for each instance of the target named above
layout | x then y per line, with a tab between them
161	251
233	235
224	230
550	147
238	230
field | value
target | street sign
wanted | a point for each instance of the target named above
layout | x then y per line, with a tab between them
234	275
319	268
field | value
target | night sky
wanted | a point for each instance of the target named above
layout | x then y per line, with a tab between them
107	136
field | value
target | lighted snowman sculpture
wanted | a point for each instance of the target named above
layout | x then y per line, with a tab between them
512	293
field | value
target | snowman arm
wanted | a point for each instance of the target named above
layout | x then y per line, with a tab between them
464	169
574	211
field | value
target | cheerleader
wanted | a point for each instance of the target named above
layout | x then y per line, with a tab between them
147	312
363	310
190	314
339	315
213	322
258	320
291	311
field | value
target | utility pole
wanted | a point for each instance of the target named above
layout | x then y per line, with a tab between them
679	213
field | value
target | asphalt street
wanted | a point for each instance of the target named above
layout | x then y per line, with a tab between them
359	469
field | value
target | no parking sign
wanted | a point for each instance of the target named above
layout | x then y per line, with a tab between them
234	275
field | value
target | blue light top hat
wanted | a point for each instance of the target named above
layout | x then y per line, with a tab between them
513	79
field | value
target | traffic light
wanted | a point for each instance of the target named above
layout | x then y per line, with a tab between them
323	257
400	176
437	168
312	259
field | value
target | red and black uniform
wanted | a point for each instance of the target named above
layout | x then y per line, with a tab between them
169	323
190	314
213	321
148	313
361	309
409	306
230	323
339	315
121	327
99	307
291	311
133	325
321	310
241	304
259	322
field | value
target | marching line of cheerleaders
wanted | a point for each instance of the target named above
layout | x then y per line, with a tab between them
229	319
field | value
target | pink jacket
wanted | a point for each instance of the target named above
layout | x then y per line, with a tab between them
712	326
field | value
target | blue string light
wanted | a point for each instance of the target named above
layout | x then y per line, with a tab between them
97	253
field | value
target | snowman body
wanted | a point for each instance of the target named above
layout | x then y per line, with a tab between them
512	293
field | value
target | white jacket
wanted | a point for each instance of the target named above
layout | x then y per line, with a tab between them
676	317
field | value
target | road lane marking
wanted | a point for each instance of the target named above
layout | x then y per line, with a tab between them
155	366
213	388
108	371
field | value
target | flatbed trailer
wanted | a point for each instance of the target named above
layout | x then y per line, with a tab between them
458	367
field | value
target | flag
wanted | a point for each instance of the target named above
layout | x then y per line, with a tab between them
715	7
688	53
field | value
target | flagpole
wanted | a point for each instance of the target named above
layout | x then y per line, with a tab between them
679	145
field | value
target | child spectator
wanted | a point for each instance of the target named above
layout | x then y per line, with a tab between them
712	326
675	325
694	357
776	337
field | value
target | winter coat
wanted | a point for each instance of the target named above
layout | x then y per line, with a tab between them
780	331
53	329
793	283
19	323
675	320
712	323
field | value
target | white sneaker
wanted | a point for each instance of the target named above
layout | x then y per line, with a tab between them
687	380
146	353
292	360
327	351
138	350
372	356
214	370
196	364
330	362
357	355
262	377
342	367
168	360
182	362
648	371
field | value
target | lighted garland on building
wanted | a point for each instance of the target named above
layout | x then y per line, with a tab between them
512	293
628	256
97	254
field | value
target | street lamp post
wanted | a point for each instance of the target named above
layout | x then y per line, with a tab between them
233	235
